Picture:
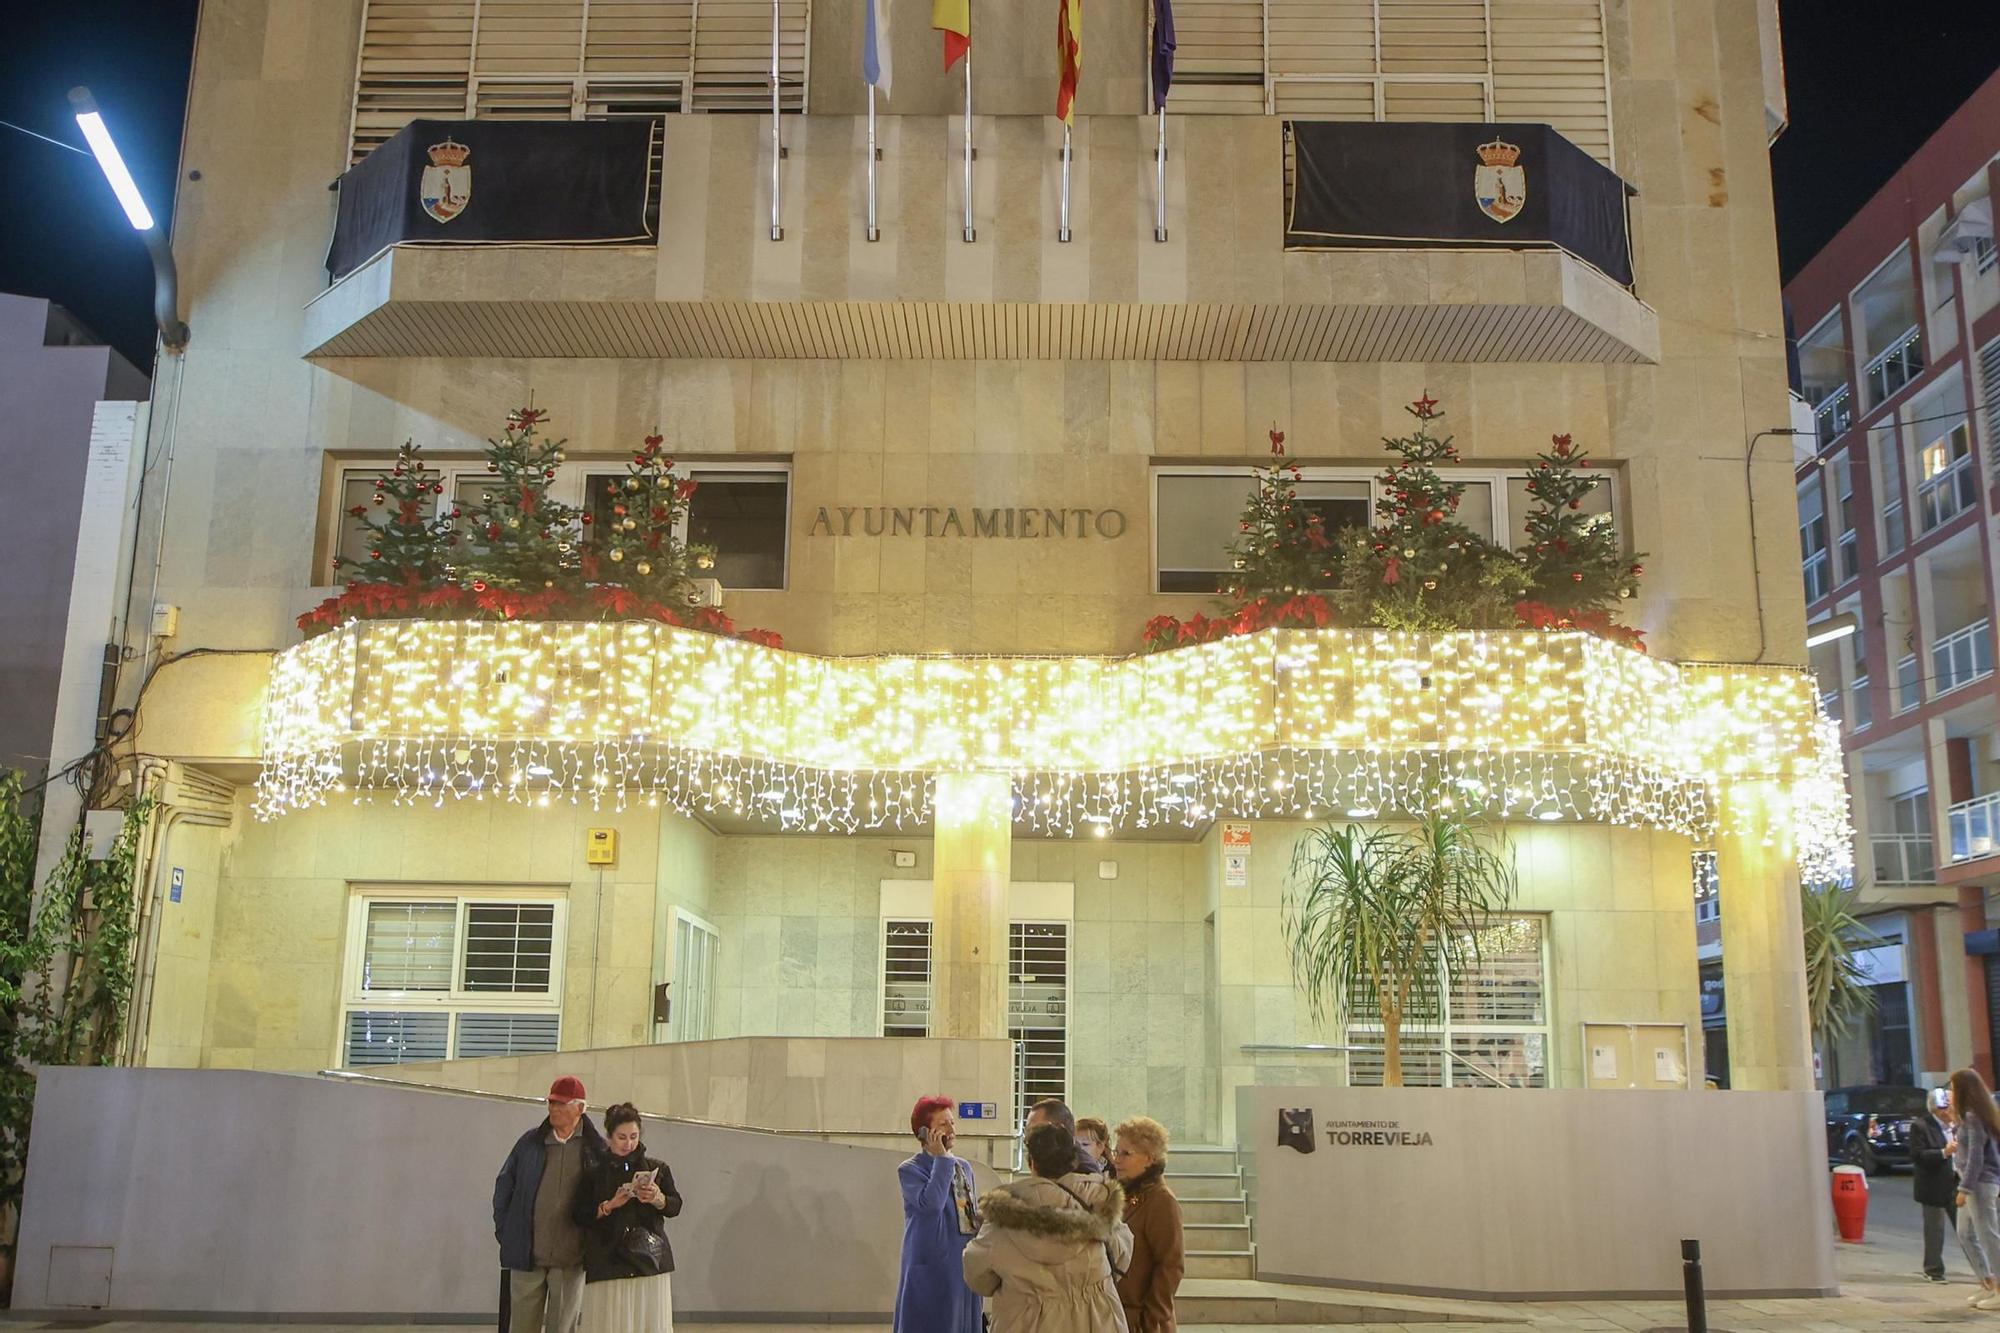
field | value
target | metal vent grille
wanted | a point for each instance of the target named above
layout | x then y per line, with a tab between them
906	978
377	1038
481	1035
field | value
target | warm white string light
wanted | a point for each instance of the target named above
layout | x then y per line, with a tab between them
1293	723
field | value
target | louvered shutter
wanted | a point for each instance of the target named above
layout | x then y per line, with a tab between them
1218	57
1038	1011
732	54
481	1035
1989	378
415	63
409	946
376	1038
906	978
1549	66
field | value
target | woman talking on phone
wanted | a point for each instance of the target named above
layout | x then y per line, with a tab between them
623	1202
940	1214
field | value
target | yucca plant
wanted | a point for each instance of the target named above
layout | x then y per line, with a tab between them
1838	992
1376	919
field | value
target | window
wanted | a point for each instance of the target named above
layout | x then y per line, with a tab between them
1823	378
1885	308
1197	513
1847	540
451	977
906	978
1812	540
696	943
1038	1011
1889	460
741	512
1949	486
1496	1020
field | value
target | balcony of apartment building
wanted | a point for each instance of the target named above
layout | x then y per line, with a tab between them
1893	807
852	232
1888	329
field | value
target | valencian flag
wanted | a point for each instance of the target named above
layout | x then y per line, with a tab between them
1163	51
953	18
875	45
1069	51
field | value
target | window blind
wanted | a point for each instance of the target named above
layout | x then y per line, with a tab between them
409	946
481	1035
1038	1011
378	1038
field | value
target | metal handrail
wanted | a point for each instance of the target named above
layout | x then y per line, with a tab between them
350	1076
1483	1071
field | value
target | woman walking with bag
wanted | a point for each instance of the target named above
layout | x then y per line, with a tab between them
623	1203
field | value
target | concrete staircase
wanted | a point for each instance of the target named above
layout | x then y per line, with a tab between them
1215	1214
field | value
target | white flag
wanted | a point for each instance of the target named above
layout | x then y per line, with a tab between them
875	45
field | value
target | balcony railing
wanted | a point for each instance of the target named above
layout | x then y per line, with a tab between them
1961	657
1948	494
1860	712
1833	416
1830	704
1975	827
1904	858
1898	364
1909	687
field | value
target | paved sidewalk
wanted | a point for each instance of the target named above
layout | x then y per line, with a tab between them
1881	1292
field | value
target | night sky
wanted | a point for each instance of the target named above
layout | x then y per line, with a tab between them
1868	80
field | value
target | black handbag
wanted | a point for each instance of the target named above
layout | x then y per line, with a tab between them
644	1249
1295	1129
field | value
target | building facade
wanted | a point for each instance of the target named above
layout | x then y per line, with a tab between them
53	373
1899	363
1090	412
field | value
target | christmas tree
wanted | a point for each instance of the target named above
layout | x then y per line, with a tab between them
636	543
406	544
1574	562
1284	549
1420	568
521	539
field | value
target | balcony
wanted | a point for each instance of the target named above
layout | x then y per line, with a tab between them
1222	287
1903	858
1961	657
1949	493
1894	367
1833	416
1975	828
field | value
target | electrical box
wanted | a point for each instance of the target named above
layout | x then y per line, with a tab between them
600	847
166	620
100	830
906	860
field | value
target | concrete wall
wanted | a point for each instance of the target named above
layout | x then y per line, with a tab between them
316	1198
1559	1195
50	380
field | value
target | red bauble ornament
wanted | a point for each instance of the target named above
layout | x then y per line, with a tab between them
587	520
1576	577
493	532
374	555
1434	516
1576	504
479	585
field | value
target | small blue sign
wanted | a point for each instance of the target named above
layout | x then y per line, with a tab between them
174	891
971	1111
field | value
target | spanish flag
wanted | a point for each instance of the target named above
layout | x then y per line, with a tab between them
1069	52
954	19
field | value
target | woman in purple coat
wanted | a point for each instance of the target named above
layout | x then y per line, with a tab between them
940	1214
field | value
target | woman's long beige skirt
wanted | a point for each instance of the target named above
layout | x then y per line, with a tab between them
630	1305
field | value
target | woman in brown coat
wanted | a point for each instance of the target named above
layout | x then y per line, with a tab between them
1147	1287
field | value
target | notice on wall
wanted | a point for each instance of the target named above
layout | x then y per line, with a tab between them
174	885
1603	1061
1667	1066
1236	837
1235	870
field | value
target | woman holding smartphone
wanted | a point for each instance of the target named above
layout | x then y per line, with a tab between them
622	1204
940	1214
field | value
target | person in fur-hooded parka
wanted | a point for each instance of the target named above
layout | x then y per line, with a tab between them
1052	1245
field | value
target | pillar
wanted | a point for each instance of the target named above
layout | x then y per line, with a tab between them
972	854
1972	917
1763	950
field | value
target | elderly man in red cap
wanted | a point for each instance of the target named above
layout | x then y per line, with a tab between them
541	1246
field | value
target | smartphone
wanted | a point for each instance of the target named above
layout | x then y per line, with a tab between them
641	1179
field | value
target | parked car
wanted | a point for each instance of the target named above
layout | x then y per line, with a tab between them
1870	1127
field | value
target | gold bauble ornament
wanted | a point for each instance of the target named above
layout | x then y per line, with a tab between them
643	567
631	483
617	556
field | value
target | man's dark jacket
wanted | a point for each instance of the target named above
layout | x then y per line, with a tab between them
1935	1182
514	1192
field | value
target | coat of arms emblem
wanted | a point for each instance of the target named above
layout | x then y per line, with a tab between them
446	187
1499	182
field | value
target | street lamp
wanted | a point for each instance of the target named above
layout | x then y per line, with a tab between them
166	282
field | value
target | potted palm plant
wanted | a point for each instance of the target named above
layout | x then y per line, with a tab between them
1376	919
1838	990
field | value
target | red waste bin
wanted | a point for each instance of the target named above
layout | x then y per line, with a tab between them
1850	1202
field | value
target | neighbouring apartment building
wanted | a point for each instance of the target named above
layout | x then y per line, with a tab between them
958	467
1899	364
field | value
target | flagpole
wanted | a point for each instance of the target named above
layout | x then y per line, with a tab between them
874	233
970	234
1160	180
777	143
1063	227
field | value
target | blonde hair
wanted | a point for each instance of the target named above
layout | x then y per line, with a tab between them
1092	1125
1148	1135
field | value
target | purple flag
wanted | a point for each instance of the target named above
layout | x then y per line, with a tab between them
1163	51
